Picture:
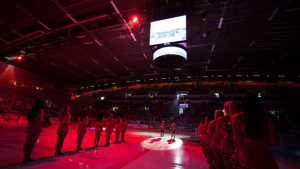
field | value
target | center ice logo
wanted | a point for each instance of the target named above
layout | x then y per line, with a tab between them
161	143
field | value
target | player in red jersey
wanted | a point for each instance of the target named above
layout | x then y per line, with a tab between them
173	130
162	129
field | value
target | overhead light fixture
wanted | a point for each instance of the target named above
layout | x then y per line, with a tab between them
126	68
17	33
106	69
206	34
98	42
213	47
116	59
252	43
240	58
135	20
115	7
74	20
133	37
145	56
220	23
178	68
151	66
94	61
44	25
4	41
203	15
51	63
32	56
88	43
82	36
73	63
273	14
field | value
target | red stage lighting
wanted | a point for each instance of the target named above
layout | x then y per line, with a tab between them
135	20
19	57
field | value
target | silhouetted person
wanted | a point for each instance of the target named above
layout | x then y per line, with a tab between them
62	130
98	129
109	127
124	127
253	132
84	119
34	128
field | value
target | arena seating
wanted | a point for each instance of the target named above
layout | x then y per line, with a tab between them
18	99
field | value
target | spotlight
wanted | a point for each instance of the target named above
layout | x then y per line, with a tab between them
206	34
211	2
134	20
203	14
19	57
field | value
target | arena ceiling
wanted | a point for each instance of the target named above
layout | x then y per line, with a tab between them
87	41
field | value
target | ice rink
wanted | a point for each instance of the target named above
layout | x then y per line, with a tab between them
141	149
